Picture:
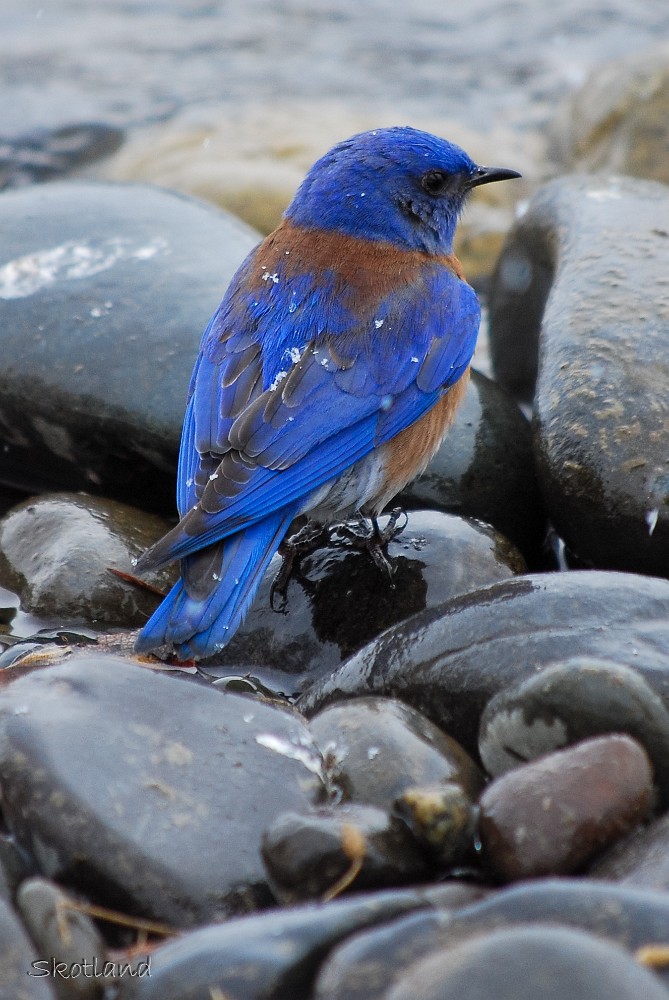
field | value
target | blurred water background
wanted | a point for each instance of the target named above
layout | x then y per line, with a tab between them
482	62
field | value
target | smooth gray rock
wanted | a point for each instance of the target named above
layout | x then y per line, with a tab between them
449	661
364	967
57	552
271	956
580	301
104	293
568	702
21	978
66	935
524	963
148	792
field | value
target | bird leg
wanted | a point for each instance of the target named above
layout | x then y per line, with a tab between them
309	537
376	540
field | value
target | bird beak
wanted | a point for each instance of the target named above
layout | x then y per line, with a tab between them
485	175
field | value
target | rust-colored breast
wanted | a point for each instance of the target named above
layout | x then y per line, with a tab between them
367	270
408	452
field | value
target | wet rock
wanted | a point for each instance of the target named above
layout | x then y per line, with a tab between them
367	965
270	956
44	154
583	271
523	963
552	816
64	934
105	291
485	469
642	859
14	866
147	792
57	551
568	702
442	818
338	599
330	851
374	749
21	979
616	122
448	662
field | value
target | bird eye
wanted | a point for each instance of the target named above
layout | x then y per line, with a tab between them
434	181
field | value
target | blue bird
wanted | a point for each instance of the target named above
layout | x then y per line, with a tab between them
328	376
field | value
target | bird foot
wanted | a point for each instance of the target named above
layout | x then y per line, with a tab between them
306	540
376	540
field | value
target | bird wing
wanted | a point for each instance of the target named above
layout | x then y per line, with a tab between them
258	436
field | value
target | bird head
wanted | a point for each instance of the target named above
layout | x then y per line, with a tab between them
397	185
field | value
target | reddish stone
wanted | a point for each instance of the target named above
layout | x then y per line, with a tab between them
553	815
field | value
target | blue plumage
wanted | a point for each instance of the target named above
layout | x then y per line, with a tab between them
343	329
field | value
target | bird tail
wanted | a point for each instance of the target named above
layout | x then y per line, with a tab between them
208	604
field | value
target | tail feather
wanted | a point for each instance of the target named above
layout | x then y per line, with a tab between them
206	606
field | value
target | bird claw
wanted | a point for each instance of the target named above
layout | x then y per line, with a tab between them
304	541
376	540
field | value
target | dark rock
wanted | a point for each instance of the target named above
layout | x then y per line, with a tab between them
56	552
524	963
309	856
64	934
448	662
362	967
552	816
485	469
15	866
147	792
641	860
104	294
365	966
338	599
568	702
376	748
442	818
271	956
583	271
21	978
43	153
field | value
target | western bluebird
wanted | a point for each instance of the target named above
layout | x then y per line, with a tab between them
328	376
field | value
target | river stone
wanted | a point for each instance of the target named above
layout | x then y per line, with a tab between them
568	702
337	598
21	978
104	292
584	274
43	154
616	121
147	792
367	965
552	816
449	661
339	848
374	749
271	956
523	963
56	552
64	933
485	469
642	859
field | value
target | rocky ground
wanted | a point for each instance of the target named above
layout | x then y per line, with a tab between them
372	793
